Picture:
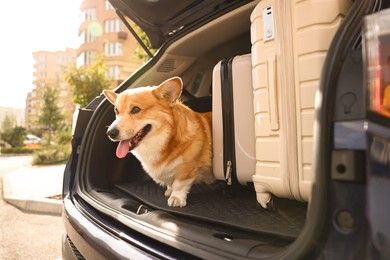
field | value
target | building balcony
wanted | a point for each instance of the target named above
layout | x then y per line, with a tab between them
122	35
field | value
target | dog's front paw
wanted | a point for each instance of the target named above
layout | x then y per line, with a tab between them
168	192
174	201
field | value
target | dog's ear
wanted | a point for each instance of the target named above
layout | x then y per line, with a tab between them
170	89
110	95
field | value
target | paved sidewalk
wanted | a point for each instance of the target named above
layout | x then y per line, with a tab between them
30	187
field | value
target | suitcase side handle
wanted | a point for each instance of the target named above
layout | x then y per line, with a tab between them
272	91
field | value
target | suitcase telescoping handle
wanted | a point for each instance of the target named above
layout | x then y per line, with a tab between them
272	92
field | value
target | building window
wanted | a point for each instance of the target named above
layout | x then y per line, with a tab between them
62	59
42	57
90	36
90	57
114	72
113	49
89	14
108	5
86	58
111	26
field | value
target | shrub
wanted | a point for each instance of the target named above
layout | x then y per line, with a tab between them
52	155
64	137
14	136
18	150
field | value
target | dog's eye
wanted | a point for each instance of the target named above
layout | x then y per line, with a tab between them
135	110
116	111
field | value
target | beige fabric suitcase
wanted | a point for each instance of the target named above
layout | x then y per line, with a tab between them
290	40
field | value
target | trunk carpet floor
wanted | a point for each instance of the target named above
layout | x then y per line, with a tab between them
206	202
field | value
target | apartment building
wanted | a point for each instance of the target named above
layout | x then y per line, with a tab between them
48	70
102	32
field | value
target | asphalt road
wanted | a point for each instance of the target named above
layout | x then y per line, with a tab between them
24	235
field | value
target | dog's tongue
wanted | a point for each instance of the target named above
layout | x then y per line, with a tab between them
123	148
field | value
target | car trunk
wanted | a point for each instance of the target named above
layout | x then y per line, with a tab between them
119	197
122	190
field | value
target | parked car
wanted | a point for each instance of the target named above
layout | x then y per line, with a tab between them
113	210
31	139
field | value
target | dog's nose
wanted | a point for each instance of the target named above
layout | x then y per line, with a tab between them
113	133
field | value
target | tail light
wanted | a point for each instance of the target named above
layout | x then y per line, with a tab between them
376	42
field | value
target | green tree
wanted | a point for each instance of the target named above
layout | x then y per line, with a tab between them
14	136
139	52
87	81
8	123
50	116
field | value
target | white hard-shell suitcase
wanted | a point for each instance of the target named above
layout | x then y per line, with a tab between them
290	40
233	120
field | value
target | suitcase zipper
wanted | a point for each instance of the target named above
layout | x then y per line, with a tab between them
228	124
228	174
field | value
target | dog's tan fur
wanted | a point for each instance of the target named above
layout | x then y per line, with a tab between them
177	151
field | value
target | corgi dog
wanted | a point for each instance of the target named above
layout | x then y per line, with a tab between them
172	142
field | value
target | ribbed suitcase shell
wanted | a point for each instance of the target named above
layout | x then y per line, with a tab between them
243	120
290	40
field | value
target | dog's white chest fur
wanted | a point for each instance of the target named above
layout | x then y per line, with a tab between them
148	153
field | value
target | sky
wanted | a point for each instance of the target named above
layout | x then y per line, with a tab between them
27	26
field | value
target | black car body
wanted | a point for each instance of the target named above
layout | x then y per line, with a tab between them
347	214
